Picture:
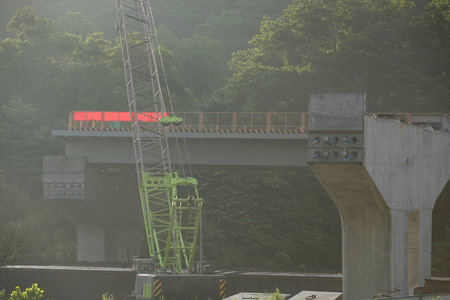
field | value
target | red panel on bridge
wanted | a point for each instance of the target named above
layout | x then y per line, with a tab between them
116	116
87	116
109	116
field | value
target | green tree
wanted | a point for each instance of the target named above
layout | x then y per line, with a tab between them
441	254
181	95
181	17
107	296
268	219
26	24
12	243
166	38
24	141
75	23
28	228
45	69
235	25
40	69
31	293
23	17
201	64
337	46
432	41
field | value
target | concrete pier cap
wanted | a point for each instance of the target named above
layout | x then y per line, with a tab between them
384	176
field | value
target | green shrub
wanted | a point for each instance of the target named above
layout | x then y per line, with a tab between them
105	296
277	295
31	293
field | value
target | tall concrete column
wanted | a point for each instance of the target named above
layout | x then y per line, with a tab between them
90	242
425	243
366	228
366	246
384	183
410	165
399	264
413	240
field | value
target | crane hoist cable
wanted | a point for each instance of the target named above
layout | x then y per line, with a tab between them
171	204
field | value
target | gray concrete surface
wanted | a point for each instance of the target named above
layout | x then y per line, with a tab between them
386	203
69	282
102	203
315	295
90	283
420	297
204	149
410	166
385	196
254	296
336	112
95	185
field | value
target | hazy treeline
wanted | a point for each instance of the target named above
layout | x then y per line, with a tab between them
59	56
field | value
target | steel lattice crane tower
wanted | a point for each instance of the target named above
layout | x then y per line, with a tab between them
170	204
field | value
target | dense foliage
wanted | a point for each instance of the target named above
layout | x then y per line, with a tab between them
379	47
56	60
269	219
31	293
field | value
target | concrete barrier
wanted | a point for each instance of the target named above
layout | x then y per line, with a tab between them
90	283
421	297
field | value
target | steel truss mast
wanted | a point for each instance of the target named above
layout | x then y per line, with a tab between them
170	204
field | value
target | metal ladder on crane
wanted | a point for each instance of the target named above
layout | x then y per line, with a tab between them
171	205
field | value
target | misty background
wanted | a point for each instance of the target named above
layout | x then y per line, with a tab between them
57	56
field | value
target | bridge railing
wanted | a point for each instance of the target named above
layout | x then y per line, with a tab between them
293	122
207	121
246	121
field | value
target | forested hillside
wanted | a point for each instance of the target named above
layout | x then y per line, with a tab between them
379	47
232	22
61	55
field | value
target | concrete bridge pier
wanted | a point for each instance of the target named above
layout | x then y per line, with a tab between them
385	251
95	185
385	192
418	243
108	243
366	228
103	203
90	242
410	165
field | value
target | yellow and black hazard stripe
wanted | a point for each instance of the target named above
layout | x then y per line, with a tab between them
157	289
222	288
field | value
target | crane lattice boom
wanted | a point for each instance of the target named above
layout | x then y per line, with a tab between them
170	204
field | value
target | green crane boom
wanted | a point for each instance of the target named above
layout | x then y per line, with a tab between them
171	205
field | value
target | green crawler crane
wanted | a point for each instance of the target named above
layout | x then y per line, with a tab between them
172	222
171	205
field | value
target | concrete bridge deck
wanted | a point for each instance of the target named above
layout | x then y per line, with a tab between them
205	149
383	174
274	139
